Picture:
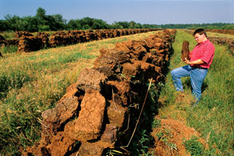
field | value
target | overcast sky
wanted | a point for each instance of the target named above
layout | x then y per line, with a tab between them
140	11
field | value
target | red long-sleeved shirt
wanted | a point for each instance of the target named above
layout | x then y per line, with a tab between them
204	51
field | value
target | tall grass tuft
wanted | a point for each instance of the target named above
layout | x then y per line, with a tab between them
194	146
9	49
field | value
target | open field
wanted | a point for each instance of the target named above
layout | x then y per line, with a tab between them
33	82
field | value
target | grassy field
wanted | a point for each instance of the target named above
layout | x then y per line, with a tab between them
213	34
33	82
214	115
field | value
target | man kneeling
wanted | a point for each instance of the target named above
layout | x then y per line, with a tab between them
197	66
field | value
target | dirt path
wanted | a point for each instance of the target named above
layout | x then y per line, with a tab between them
171	132
170	138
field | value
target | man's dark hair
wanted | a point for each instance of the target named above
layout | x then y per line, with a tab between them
200	32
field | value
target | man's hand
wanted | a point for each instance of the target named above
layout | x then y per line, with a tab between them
199	61
186	61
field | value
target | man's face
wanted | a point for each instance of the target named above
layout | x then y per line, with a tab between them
199	38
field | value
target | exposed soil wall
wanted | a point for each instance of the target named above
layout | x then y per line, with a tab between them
8	42
97	111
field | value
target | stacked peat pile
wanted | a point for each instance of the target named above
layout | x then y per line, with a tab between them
59	38
8	42
223	31
2	40
223	41
44	38
19	34
100	110
28	42
81	36
13	42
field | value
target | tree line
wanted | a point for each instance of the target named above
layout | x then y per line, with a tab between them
42	22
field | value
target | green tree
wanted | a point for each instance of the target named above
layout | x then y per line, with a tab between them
124	24
87	23
132	24
229	27
41	19
12	22
73	24
86	26
101	24
41	13
61	23
116	25
4	25
49	22
31	24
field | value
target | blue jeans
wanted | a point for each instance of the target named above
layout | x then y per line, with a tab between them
197	76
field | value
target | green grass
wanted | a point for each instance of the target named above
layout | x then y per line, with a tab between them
194	146
214	115
216	109
29	85
8	49
8	35
33	82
